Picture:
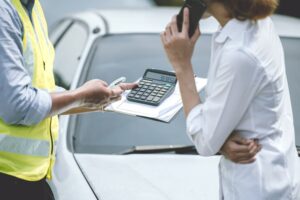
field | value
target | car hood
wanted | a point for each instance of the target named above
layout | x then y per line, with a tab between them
151	177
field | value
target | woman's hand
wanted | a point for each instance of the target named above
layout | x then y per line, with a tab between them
240	150
178	46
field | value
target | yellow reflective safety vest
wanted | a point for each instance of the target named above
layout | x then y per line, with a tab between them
29	152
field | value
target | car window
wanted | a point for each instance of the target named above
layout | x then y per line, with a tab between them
130	55
58	31
292	58
68	54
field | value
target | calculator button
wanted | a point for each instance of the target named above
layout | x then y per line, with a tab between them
137	96
164	90
133	92
145	87
140	93
146	94
151	88
149	91
156	99
131	95
143	98
154	93
142	90
162	93
147	84
150	98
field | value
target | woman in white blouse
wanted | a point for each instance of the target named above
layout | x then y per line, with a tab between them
247	92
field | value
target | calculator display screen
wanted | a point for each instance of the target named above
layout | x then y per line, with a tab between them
161	77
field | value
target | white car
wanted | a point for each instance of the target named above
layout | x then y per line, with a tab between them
57	9
111	156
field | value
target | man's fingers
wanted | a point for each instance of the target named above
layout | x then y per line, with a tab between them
104	83
186	21
119	89
128	86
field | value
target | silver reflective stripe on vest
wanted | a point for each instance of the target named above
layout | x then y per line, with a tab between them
24	146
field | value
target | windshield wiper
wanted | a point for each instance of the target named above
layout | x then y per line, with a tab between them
178	149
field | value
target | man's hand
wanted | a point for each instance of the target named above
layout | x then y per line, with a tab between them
96	93
92	96
240	150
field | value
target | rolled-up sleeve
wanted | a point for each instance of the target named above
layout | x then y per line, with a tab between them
238	80
20	103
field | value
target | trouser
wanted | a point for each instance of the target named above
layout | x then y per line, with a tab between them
12	188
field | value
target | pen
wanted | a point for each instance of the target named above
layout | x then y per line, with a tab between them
117	82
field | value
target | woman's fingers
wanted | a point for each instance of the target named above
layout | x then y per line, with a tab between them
168	33
196	35
186	21
247	161
163	37
173	25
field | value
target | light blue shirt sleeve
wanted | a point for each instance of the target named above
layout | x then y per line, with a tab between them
20	103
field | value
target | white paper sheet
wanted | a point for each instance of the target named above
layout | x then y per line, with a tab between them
164	112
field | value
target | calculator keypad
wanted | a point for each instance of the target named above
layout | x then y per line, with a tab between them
149	92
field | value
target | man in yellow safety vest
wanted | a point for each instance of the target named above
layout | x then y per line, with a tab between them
29	104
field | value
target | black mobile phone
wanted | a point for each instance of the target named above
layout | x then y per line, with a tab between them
196	10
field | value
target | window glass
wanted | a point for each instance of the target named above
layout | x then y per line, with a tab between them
129	56
292	55
68	54
59	30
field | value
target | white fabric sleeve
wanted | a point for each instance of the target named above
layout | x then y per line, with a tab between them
238	80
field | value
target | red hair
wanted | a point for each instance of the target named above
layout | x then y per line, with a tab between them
250	9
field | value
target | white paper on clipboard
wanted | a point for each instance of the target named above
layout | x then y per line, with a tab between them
164	112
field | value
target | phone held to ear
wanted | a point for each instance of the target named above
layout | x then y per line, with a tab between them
196	10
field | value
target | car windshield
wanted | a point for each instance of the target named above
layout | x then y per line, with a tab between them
129	55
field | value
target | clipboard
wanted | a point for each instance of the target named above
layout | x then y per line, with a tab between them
165	112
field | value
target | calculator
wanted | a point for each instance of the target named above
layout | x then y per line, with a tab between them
155	86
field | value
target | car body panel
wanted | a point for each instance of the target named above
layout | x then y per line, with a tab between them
154	20
68	182
149	177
